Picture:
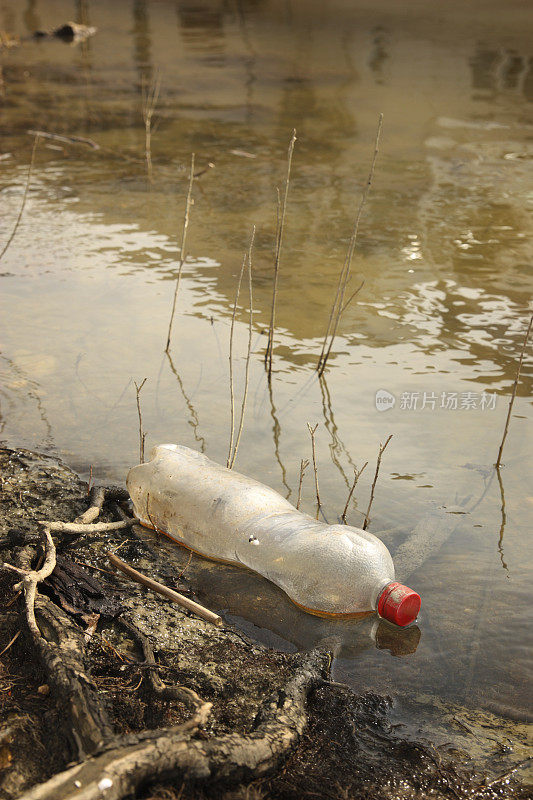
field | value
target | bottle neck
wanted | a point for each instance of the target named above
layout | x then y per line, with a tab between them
378	592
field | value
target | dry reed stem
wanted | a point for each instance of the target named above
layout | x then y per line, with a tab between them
183	252
231	384
339	306
190	605
281	212
142	434
513	394
312	432
378	464
150	95
356	475
304	463
24	196
249	351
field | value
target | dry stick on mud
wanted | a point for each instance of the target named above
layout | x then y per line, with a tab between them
142	434
513	394
378	464
24	197
249	351
183	252
150	95
304	463
312	431
356	475
279	239
190	605
339	305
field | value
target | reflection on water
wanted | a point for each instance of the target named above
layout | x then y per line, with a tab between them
443	248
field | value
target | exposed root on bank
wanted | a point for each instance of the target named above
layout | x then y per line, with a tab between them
127	764
116	766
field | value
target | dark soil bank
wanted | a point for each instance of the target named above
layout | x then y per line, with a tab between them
277	727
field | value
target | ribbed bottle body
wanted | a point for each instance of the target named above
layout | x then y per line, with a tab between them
327	569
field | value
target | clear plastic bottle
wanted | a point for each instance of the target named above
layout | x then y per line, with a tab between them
329	570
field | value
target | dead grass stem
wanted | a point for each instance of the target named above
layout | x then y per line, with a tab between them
281	212
513	393
183	251
339	305
373	489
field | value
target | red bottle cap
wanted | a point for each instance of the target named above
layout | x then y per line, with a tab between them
399	604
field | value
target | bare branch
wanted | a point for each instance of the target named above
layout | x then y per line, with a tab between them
513	393
249	352
312	431
142	434
279	239
339	306
231	386
356	475
378	464
304	463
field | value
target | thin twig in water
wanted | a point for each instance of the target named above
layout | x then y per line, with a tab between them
312	431
150	95
304	463
183	252
142	434
378	464
513	393
356	475
249	352
279	239
231	385
24	196
339	305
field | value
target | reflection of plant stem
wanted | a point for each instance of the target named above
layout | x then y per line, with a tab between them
513	393
276	430
279	239
142	434
339	305
312	432
24	197
194	421
337	446
304	463
248	354
150	94
356	476
183	252
504	519
378	464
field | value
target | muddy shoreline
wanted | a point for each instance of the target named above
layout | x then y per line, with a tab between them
349	747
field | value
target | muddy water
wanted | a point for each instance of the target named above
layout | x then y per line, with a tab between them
87	285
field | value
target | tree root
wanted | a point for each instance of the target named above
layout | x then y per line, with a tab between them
114	767
127	764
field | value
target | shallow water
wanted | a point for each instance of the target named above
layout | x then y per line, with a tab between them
87	286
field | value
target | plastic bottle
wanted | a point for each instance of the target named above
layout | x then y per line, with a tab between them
329	570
